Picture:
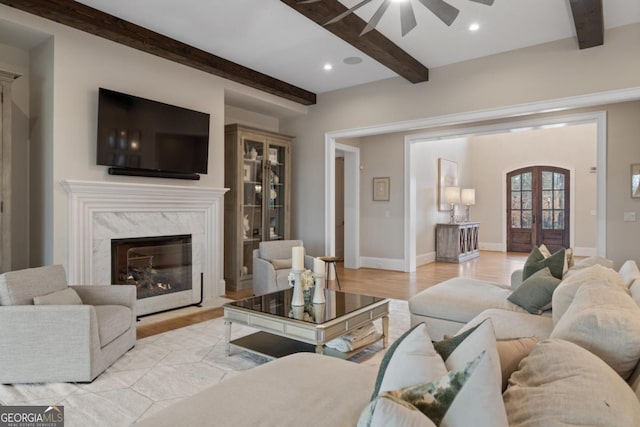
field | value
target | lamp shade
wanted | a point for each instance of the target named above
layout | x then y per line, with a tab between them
468	196
452	195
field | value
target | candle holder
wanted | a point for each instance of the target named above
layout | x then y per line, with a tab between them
298	295
318	293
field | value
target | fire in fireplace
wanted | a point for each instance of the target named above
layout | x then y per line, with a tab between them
156	265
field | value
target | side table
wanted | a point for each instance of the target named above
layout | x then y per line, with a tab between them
331	260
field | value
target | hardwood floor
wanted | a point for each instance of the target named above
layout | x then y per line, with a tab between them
491	266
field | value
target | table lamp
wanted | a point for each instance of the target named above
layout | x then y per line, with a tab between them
468	198
452	196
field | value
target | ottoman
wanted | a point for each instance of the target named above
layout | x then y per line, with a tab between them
449	305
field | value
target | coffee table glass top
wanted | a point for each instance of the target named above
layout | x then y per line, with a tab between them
279	304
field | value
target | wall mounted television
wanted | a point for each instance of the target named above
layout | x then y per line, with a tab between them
137	136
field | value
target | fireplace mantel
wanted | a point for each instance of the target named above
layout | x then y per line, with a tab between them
99	211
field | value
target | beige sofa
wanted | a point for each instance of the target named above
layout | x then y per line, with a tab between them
560	382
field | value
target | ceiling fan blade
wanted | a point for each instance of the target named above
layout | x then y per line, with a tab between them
351	10
376	17
308	1
407	17
487	2
443	10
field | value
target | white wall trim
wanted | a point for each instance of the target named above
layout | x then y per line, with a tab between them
427	258
382	263
546	106
88	198
352	193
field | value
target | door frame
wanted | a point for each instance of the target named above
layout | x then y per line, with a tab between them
519	110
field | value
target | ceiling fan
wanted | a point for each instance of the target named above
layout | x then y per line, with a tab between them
443	10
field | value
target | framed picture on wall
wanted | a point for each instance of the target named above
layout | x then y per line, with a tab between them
381	189
447	177
635	181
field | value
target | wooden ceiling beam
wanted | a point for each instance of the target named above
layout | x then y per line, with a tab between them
93	21
588	17
373	43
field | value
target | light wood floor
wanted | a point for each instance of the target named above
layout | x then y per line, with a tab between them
491	266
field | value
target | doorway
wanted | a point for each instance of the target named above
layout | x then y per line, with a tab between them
538	208
340	207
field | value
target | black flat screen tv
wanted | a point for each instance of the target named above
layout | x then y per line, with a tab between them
137	136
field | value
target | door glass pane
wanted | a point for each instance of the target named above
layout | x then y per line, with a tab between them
527	219
515	183
547	220
547	180
527	200
547	200
558	199
558	220
515	200
526	181
558	181
515	219
276	181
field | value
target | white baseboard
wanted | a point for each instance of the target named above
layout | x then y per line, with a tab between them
427	258
585	251
382	263
495	247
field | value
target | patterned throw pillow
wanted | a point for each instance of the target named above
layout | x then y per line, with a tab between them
431	399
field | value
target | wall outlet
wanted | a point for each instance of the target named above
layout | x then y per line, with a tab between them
629	216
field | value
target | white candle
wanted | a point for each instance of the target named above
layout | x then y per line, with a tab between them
297	258
318	266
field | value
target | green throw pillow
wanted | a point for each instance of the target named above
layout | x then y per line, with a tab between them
448	345
535	293
432	399
536	262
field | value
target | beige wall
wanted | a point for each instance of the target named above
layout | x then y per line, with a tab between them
571	147
249	118
545	72
66	73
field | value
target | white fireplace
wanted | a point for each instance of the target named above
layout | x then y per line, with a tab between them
102	211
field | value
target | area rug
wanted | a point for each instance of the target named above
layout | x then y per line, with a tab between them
163	369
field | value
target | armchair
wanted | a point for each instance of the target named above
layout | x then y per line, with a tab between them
52	332
272	264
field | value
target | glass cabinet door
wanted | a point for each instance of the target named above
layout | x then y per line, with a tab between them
252	181
276	182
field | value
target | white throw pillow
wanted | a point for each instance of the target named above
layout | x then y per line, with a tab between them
410	360
605	321
64	297
629	272
479	404
566	290
560	384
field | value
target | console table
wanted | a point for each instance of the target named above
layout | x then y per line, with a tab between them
457	242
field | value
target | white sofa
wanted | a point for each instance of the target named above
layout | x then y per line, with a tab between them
560	383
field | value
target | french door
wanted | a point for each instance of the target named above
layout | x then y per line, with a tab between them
538	208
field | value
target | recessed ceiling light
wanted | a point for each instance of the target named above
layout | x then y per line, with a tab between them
474	27
328	67
352	60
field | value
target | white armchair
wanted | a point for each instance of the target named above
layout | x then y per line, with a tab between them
52	332
272	264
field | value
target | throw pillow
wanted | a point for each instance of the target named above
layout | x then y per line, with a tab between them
480	403
629	272
605	321
560	384
536	261
586	263
568	256
410	405
536	292
544	251
64	297
410	360
446	346
511	352
279	264
566	290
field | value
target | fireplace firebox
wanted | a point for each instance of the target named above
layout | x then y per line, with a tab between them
156	265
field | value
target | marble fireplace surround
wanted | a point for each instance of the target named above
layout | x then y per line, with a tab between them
101	211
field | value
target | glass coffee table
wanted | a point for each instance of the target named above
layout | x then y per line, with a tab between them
284	329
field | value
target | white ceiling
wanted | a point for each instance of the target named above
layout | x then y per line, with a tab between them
270	37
